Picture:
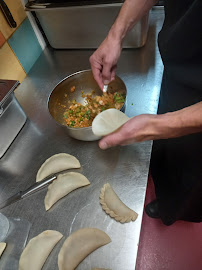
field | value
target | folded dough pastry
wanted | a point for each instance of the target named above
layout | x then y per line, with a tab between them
114	207
38	249
79	245
63	185
57	163
2	247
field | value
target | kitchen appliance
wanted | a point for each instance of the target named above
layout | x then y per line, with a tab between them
12	116
61	95
83	23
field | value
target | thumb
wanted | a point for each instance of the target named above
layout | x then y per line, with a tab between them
106	73
111	140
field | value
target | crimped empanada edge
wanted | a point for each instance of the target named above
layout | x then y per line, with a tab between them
111	213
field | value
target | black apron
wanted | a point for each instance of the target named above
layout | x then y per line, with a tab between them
176	164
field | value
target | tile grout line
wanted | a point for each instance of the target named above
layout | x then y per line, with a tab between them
17	58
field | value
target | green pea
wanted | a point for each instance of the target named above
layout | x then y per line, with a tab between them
87	112
72	123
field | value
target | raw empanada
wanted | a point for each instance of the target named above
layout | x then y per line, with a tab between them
108	121
114	207
57	163
38	249
64	184
2	248
79	245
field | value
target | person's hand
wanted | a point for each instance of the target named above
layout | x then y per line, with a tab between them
138	129
146	127
104	61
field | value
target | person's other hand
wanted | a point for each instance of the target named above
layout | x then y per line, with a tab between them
104	61
138	129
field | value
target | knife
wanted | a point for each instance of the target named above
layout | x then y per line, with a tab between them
32	189
7	14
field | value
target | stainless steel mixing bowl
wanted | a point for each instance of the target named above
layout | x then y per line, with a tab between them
61	94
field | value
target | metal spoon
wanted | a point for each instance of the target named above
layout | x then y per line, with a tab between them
105	88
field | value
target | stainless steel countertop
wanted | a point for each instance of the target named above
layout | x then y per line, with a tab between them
125	168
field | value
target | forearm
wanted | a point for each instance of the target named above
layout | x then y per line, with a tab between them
146	127
180	123
130	13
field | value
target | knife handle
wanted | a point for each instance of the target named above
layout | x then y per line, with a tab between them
37	186
8	14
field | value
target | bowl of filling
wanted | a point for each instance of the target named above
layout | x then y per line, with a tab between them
77	99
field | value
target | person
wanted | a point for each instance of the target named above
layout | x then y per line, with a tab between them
176	130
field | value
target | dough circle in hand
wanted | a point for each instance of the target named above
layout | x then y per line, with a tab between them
114	207
108	121
2	247
57	163
38	249
63	185
79	245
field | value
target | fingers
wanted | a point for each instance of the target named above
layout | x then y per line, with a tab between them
103	76
103	63
111	140
98	77
97	71
139	128
123	136
108	73
103	73
113	74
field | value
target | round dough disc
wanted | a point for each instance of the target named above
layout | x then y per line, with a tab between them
108	121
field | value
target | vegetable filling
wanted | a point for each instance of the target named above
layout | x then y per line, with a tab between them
78	115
